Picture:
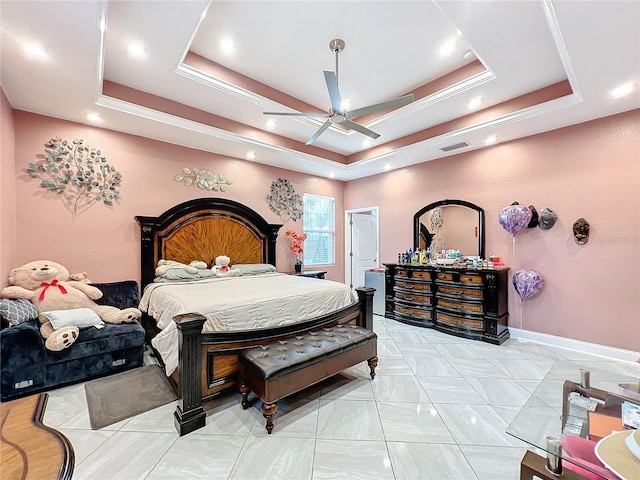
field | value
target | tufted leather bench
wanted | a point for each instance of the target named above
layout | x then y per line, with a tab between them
282	368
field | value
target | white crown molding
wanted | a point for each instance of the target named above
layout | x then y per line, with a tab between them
561	46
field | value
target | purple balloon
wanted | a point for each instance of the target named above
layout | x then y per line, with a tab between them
527	283
514	218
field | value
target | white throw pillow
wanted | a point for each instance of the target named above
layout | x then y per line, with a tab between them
76	317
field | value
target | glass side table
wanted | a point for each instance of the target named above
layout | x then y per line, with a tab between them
570	417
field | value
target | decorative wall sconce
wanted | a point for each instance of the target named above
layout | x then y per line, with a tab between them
284	200
203	179
79	173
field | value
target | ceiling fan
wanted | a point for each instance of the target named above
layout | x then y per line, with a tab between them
339	115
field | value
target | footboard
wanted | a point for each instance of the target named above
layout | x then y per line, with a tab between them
208	362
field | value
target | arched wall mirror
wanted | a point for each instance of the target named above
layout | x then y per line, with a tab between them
450	224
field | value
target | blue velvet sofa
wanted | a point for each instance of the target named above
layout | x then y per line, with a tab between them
28	367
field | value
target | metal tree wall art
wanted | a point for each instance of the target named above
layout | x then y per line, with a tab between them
284	200
203	179
79	173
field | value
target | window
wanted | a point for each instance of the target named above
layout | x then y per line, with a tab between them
319	225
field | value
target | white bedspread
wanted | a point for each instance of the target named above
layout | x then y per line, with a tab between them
239	303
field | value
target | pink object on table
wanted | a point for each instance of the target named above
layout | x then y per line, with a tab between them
582	452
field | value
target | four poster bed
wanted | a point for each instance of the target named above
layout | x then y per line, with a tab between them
207	353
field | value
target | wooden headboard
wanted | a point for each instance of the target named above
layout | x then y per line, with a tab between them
202	229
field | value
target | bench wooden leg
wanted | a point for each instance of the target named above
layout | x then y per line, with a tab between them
373	363
268	411
244	391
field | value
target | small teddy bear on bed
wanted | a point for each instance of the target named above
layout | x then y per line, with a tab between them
221	267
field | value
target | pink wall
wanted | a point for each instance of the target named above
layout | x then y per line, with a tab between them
104	241
589	170
592	170
8	247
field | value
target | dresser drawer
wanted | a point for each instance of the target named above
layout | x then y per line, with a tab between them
412	311
413	297
460	306
404	285
421	274
460	292
460	321
471	279
401	273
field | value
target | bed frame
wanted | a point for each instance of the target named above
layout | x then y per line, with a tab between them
202	229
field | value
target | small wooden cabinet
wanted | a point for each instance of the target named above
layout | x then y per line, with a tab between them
468	303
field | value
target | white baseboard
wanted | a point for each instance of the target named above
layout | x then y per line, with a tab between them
576	345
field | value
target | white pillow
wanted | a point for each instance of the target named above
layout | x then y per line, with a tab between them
254	268
76	317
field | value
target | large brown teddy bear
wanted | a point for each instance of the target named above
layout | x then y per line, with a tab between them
46	284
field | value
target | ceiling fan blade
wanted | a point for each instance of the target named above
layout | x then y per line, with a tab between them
334	94
398	102
315	136
359	128
298	114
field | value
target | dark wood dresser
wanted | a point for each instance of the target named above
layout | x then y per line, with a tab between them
470	303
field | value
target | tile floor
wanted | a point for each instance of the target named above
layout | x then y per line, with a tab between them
437	409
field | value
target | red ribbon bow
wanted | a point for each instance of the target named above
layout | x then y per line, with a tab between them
52	284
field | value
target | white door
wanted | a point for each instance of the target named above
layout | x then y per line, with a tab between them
364	246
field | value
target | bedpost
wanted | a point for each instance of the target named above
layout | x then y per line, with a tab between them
271	243
365	296
189	414
148	263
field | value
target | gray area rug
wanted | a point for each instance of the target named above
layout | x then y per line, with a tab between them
124	395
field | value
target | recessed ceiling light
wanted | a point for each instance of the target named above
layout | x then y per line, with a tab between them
35	50
366	143
94	117
250	155
468	55
346	104
448	47
332	174
474	103
387	166
227	45
622	90
136	50
490	140
270	124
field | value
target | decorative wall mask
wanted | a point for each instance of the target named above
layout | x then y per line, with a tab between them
534	217
581	231
79	173
284	200
547	218
203	179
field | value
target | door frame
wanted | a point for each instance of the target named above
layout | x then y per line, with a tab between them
348	267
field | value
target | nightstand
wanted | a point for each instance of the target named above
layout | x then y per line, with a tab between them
311	273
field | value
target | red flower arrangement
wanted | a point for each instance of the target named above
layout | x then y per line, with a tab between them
297	246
